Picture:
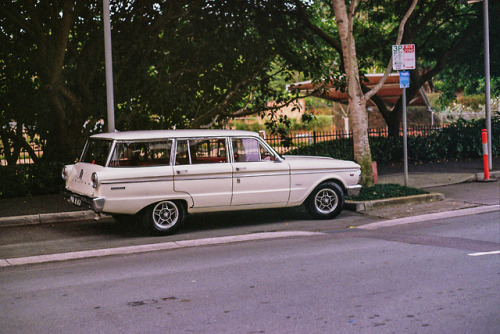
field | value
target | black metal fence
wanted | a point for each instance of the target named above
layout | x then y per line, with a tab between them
281	145
24	157
300	139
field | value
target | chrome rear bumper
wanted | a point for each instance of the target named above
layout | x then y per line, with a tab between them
96	204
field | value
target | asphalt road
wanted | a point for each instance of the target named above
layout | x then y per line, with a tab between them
30	240
412	278
41	239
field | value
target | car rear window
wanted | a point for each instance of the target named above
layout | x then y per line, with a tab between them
96	151
143	153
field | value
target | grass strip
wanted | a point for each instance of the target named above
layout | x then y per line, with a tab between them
382	191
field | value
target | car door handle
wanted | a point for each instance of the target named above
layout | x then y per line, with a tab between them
240	168
182	171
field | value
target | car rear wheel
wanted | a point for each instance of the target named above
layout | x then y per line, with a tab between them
326	201
163	217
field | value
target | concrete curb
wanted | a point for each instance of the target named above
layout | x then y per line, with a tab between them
47	218
430	216
493	175
382	203
8	262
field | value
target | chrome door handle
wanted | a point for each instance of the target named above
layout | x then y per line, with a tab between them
240	168
182	171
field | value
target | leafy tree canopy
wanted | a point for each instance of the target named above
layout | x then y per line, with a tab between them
176	64
448	36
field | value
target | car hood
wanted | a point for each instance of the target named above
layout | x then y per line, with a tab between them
319	162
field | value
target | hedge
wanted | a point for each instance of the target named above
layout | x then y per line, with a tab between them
459	141
34	179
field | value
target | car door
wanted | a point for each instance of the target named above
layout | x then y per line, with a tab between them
259	177
202	170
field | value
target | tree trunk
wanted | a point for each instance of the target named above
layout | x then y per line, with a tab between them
357	101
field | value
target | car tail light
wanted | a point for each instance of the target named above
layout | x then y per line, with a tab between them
94	180
64	173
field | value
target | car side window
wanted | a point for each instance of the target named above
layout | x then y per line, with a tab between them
201	151
139	154
182	156
250	150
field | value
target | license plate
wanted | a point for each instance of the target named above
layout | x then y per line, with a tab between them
76	201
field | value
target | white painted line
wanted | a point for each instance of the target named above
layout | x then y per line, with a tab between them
485	253
431	216
151	247
4	263
244	237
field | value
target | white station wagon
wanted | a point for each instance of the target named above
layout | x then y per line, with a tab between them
160	176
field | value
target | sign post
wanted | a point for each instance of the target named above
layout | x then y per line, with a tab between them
403	59
404	82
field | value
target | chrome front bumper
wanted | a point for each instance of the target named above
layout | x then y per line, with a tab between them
353	190
96	204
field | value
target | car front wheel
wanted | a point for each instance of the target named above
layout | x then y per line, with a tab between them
326	201
163	217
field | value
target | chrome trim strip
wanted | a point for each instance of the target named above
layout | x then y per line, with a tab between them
324	171
168	179
192	178
159	179
247	174
235	174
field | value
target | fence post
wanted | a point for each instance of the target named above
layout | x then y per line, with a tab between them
314	143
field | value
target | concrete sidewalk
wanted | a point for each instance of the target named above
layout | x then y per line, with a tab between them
53	208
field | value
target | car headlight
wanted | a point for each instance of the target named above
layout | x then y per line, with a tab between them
94	180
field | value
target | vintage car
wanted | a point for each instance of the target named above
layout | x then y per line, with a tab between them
158	177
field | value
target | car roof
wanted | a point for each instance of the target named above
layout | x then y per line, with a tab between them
159	134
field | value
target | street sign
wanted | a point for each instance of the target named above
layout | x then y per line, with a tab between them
404	79
403	57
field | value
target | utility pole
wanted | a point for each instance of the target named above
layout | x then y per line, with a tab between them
109	67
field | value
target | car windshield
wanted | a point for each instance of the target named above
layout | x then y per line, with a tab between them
96	151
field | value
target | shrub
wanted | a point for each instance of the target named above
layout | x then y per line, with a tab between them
389	190
26	180
460	140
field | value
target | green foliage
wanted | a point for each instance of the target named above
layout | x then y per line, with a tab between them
460	140
186	63
472	101
382	191
30	180
464	71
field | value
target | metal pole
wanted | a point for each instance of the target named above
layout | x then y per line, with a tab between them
109	66
487	78
405	142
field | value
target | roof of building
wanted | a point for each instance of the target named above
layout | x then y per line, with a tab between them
389	93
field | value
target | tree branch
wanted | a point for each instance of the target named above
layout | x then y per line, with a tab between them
315	29
388	70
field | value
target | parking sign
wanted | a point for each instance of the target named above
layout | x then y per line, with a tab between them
403	57
404	79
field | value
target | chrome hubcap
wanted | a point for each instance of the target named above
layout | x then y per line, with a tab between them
165	214
326	201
